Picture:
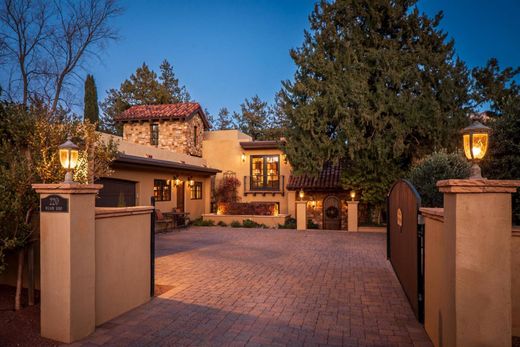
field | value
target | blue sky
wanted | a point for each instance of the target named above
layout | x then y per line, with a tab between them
227	50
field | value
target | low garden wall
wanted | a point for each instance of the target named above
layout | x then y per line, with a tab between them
269	221
248	208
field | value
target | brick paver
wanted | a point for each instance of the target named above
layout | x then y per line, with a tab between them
270	287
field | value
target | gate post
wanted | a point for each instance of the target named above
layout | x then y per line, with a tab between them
301	215
352	213
477	213
67	244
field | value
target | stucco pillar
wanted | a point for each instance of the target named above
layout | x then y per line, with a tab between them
478	214
301	215
67	260
352	214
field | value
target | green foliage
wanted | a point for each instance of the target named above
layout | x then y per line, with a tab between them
435	167
376	87
222	224
235	224
499	89
290	223
143	87
311	224
224	120
248	223
91	108
259	120
199	222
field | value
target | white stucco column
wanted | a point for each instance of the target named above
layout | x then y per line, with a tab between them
352	214
301	215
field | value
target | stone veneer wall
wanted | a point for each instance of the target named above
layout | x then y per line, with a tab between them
175	135
316	212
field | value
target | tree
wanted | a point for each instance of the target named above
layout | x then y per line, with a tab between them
224	121
29	140
377	87
91	108
143	87
498	89
46	42
254	117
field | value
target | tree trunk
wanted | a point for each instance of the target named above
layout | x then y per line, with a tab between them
19	280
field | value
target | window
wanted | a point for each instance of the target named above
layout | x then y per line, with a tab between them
196	191
162	190
265	172
154	134
195	136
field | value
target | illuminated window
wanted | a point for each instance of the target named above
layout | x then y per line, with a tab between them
162	190
196	191
265	172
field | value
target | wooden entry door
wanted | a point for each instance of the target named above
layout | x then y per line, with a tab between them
331	213
180	197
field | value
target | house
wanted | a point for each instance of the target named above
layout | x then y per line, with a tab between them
168	152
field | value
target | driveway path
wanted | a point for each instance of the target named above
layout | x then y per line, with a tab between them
270	287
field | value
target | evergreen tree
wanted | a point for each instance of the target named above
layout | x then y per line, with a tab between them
91	108
224	120
377	87
173	92
498	89
254	117
143	87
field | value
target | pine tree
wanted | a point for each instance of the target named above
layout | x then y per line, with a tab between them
254	117
224	121
173	92
91	108
376	87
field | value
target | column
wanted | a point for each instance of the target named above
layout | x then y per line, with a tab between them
478	215
67	257
301	215
352	214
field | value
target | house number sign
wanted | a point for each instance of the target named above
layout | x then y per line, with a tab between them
54	203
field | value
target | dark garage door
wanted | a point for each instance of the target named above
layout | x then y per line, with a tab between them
116	193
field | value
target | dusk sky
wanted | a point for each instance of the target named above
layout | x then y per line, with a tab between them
225	51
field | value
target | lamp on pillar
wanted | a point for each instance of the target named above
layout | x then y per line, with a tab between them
476	139
352	195
69	152
301	194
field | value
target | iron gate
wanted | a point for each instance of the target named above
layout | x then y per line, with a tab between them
405	242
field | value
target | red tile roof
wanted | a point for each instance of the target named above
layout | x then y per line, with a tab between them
328	179
166	111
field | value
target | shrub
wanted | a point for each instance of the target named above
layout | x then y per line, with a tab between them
435	167
248	223
312	225
235	224
221	224
290	223
199	222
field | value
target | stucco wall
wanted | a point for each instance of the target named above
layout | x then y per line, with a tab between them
175	135
144	189
122	260
222	150
515	280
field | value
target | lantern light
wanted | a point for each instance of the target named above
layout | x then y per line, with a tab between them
177	181
476	141
68	153
301	194
352	195
191	182
243	157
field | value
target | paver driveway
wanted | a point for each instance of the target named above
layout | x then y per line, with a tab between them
270	287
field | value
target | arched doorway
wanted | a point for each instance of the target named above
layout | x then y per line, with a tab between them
331	213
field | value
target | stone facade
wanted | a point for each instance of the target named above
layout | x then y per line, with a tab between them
315	208
175	135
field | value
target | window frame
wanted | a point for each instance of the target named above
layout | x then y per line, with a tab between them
196	194
265	186
159	189
154	134
195	135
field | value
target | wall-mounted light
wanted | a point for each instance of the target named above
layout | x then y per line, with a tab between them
476	140
177	181
284	158
191	182
243	157
301	194
352	195
69	153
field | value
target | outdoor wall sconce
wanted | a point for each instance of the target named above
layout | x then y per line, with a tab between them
352	195
285	158
243	157
191	182
301	194
69	153
177	181
476	140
